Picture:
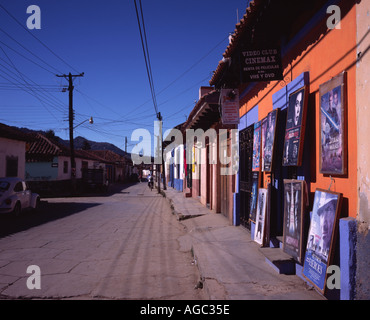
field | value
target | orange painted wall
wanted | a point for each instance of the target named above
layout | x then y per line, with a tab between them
333	53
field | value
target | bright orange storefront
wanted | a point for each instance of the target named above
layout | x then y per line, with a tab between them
316	56
323	62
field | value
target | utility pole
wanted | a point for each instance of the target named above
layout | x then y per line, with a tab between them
158	171
159	116
70	78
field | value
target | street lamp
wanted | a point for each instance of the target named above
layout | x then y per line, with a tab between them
91	121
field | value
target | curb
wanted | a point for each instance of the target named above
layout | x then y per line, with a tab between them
213	290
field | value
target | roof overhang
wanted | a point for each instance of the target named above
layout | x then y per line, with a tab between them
205	113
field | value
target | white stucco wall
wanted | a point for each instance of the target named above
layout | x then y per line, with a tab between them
14	148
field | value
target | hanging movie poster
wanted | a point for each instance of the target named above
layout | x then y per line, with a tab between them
263	141
259	231
254	195
295	128
256	146
321	237
294	210
333	150
269	139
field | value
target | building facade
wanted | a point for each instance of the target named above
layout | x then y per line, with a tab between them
13	144
319	65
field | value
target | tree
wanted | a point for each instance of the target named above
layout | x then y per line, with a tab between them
86	145
50	134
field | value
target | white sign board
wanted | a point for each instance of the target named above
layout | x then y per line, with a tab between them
230	106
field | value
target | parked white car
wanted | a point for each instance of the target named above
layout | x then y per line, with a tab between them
15	196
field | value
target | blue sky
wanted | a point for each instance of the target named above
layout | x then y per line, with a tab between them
101	38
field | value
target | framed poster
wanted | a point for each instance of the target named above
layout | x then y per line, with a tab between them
256	146
295	127
259	230
269	139
254	195
333	126
267	232
321	237
263	141
294	210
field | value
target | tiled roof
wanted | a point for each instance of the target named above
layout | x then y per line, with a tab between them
240	28
105	155
202	107
43	145
44	149
13	133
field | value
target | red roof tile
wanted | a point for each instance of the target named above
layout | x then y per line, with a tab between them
13	133
240	27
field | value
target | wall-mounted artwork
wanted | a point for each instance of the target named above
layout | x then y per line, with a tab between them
256	163
254	195
333	126
295	127
269	141
321	237
294	210
259	231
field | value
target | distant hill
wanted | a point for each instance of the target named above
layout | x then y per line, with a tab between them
80	142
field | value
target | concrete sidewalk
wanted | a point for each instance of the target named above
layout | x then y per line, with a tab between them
231	265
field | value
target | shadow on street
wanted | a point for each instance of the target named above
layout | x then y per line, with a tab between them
91	192
47	212
112	189
50	211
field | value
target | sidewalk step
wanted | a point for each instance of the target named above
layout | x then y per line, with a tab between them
279	260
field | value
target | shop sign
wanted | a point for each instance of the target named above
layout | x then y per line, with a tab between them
230	106
262	65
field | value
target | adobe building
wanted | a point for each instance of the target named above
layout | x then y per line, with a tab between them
13	145
203	164
285	53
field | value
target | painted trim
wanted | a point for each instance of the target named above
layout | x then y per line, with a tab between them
178	184
348	240
280	99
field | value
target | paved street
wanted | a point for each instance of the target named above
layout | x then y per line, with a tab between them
120	246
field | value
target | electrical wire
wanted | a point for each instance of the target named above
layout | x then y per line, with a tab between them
36	56
20	54
193	65
25	87
42	43
146	54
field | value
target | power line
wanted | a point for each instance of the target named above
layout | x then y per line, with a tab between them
32	93
193	65
30	90
165	88
21	45
37	64
27	85
146	54
25	88
42	43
